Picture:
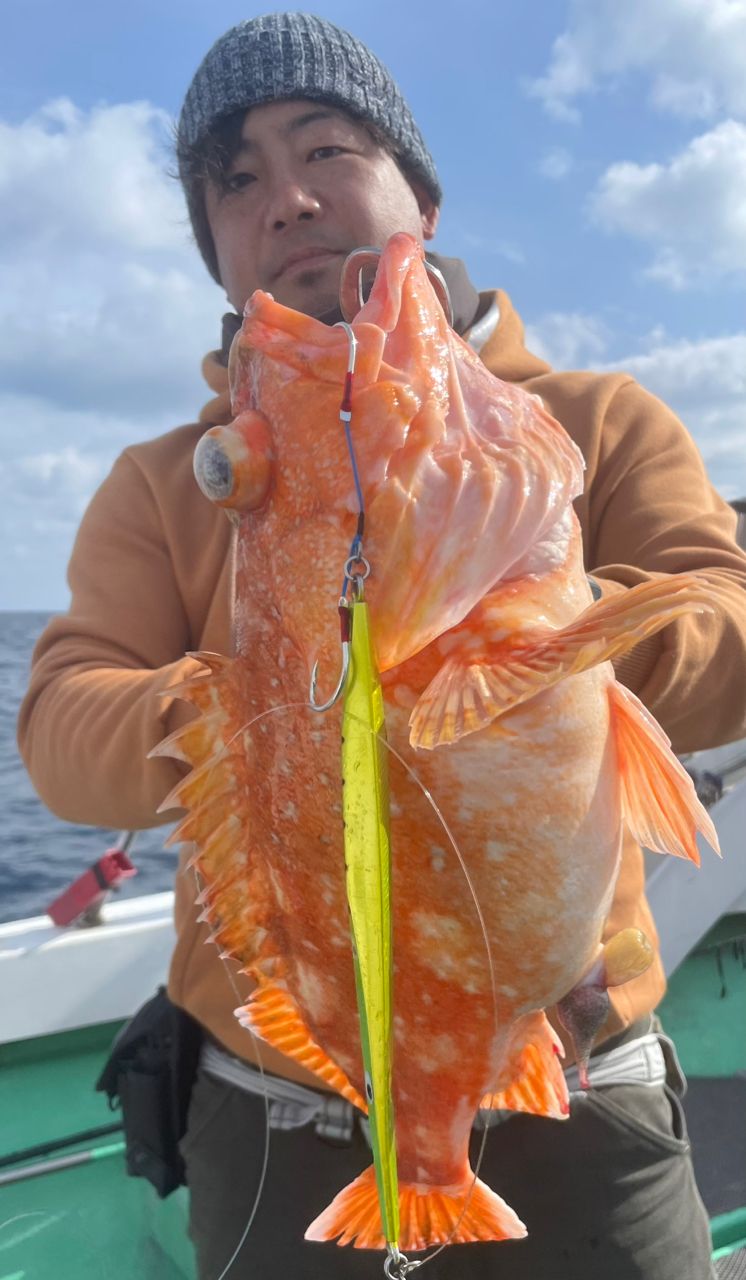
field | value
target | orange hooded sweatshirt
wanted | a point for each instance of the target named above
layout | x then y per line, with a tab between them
151	579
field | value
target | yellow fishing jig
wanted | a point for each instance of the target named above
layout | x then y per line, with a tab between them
367	846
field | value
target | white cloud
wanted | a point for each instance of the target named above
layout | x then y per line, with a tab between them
556	164
106	311
89	180
692	51
704	382
567	339
104	301
693	208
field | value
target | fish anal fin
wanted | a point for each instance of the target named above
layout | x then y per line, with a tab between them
538	1084
428	1215
659	803
272	1015
467	694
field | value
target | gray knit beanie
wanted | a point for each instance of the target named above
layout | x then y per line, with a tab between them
293	55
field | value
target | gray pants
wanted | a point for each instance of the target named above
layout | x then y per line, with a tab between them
607	1195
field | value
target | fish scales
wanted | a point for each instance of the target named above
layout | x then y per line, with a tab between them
499	695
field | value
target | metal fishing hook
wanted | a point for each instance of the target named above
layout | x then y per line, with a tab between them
344	621
351	291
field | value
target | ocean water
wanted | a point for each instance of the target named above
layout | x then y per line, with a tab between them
40	854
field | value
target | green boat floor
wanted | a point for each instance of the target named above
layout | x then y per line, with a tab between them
704	1010
92	1221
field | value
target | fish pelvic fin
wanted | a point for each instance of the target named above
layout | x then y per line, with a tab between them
469	692
538	1082
659	803
272	1015
428	1215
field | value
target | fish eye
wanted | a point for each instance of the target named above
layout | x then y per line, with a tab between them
213	470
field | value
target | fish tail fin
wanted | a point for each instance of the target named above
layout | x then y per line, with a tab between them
428	1216
467	693
537	1083
659	803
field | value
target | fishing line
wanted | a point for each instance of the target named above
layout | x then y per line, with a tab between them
307	706
241	1000
394	1257
345	417
421	1262
265	1098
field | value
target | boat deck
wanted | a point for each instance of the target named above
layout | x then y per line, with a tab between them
91	1220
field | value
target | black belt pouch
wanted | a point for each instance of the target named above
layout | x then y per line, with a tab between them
150	1073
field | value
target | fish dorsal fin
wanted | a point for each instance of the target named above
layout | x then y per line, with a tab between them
538	1084
467	693
272	1015
235	896
659	803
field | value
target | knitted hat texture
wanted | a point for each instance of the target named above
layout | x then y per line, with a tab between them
294	55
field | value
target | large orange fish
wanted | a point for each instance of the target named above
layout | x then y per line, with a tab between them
499	695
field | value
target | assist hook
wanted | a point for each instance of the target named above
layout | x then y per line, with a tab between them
352	291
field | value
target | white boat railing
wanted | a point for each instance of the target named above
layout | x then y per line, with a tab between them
55	979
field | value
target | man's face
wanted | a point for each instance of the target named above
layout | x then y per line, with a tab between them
307	186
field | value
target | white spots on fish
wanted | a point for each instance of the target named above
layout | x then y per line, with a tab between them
291	811
316	736
495	850
324	779
439	928
437	858
281	897
328	885
445	644
274	682
395	809
505	989
313	993
443	1049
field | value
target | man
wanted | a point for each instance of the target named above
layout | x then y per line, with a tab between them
295	147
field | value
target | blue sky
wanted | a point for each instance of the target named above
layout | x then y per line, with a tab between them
593	157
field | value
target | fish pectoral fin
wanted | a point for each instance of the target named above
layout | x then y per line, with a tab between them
584	1010
538	1082
272	1015
436	1215
659	803
468	694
